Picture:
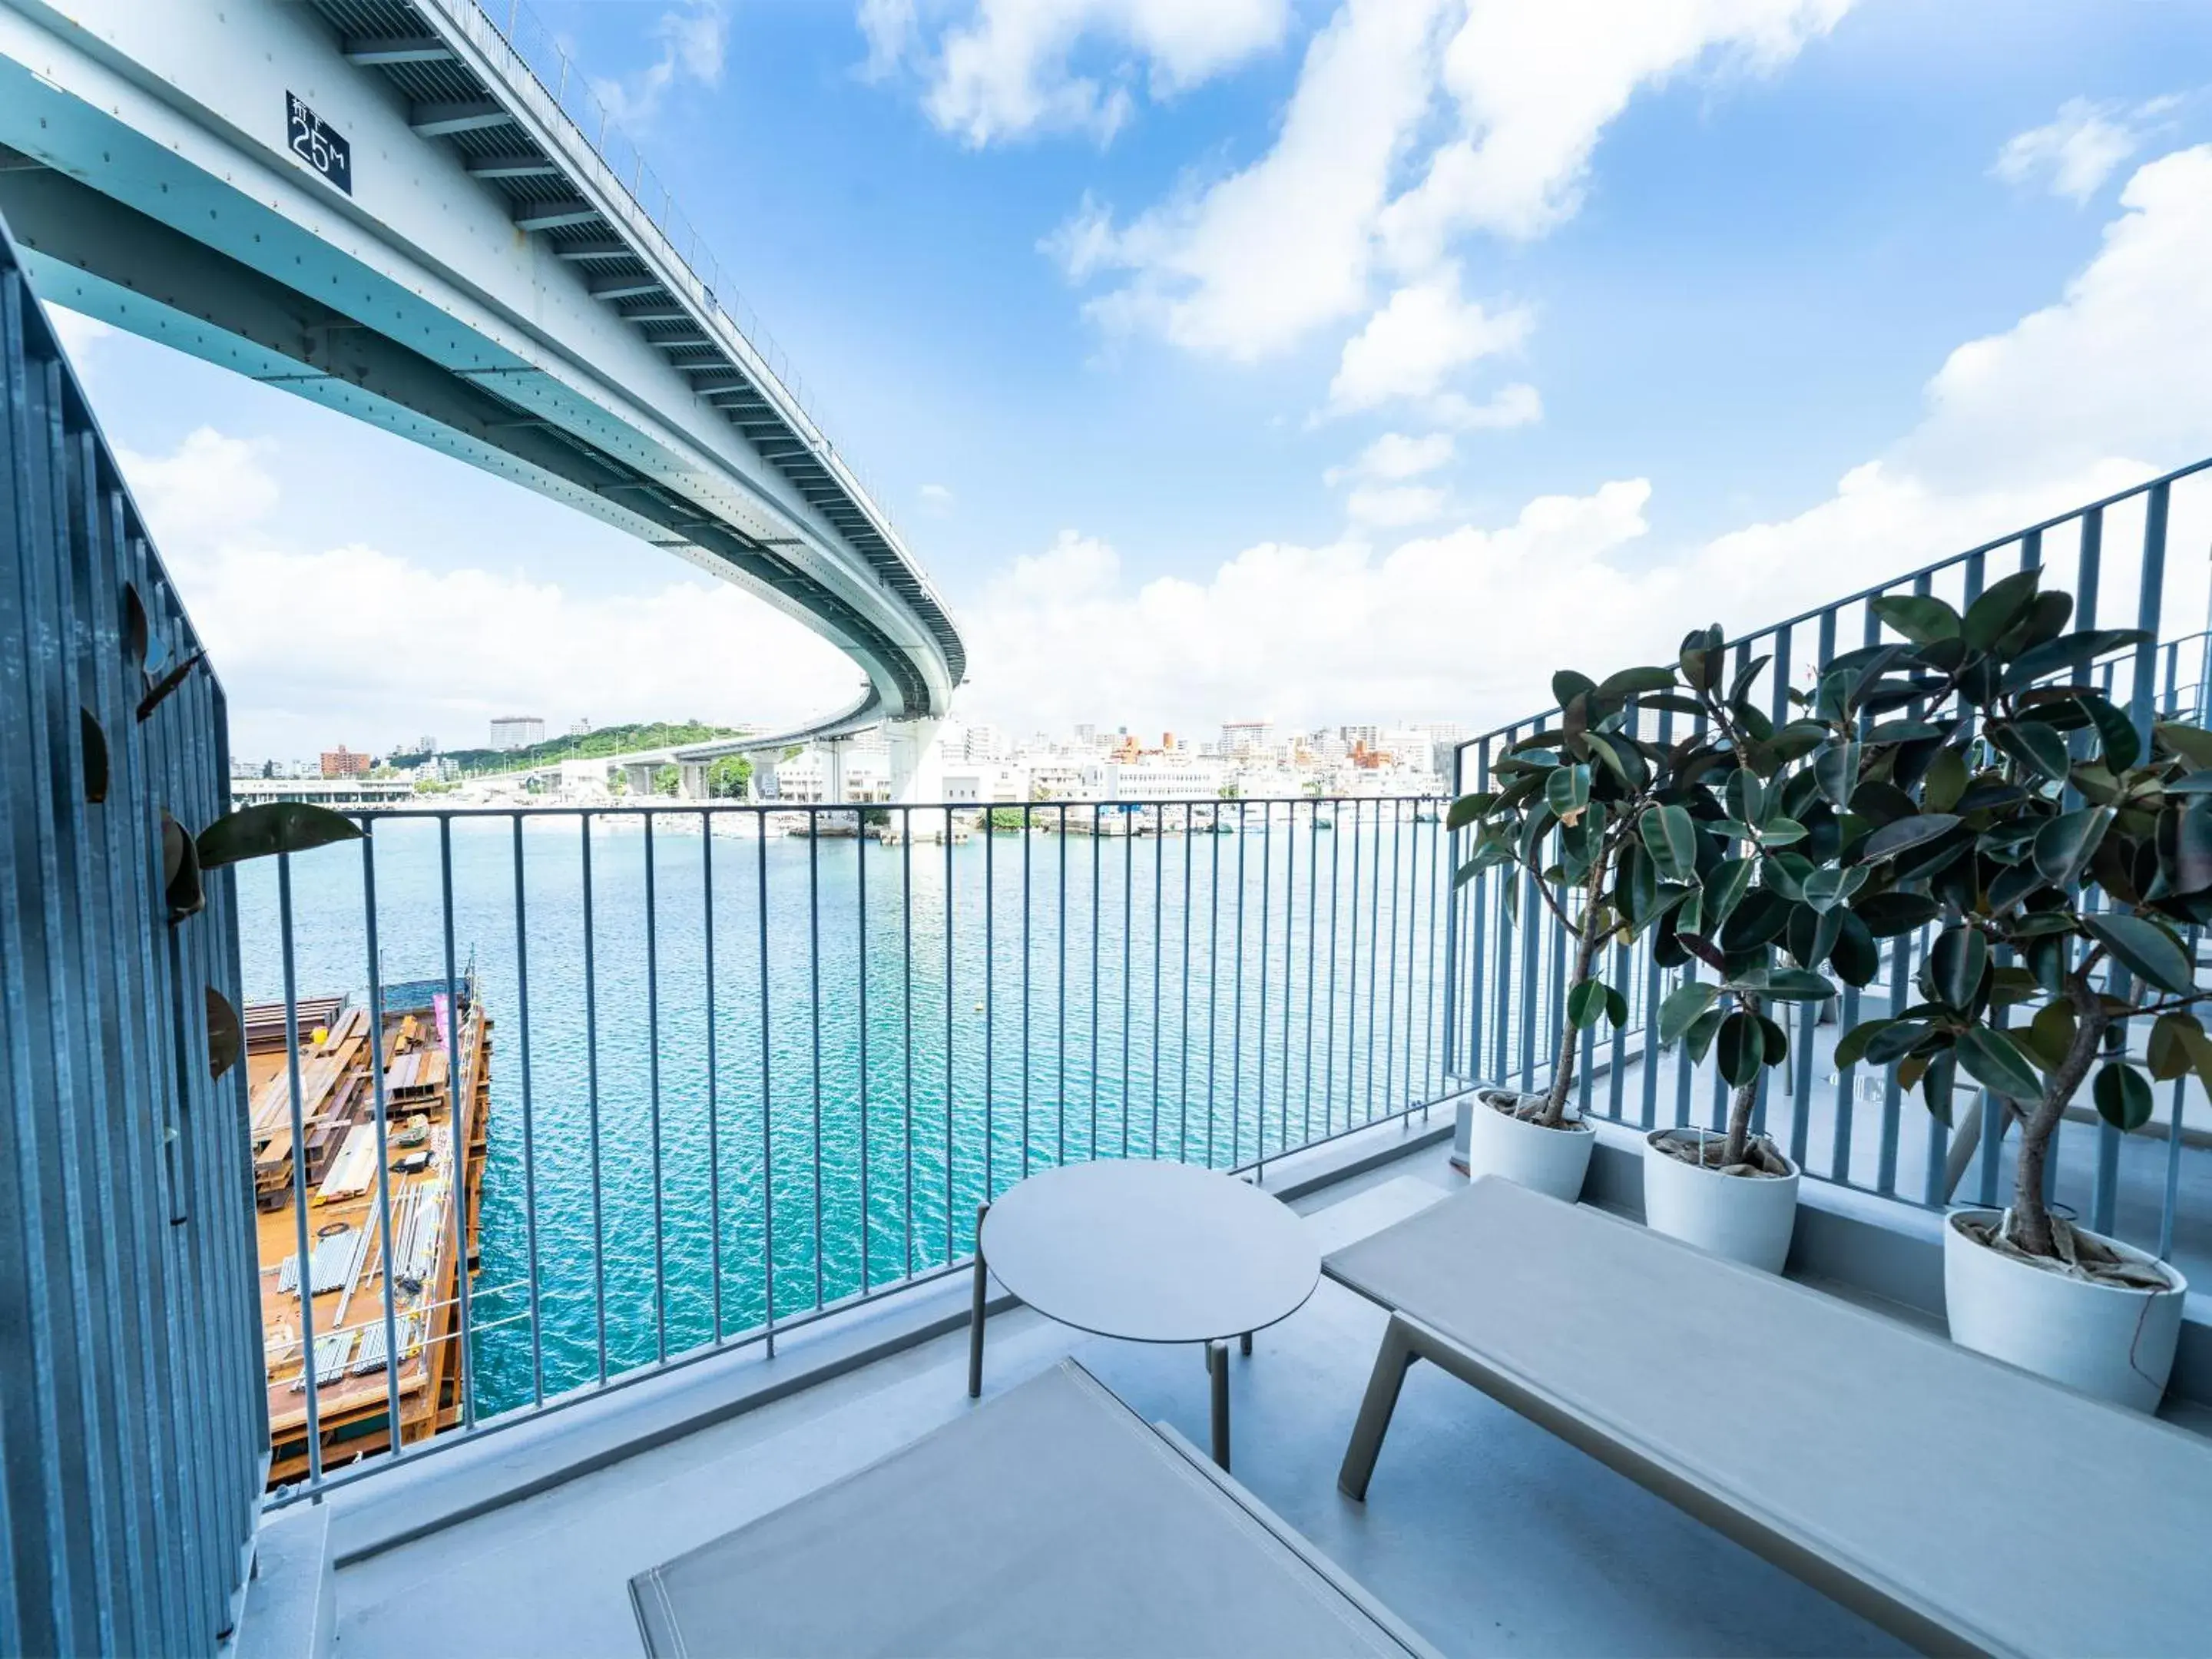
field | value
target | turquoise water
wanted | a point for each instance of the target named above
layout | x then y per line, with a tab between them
1150	1024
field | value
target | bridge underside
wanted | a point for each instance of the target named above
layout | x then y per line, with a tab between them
473	328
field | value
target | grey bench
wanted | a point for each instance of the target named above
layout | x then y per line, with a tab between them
1958	1503
1050	1520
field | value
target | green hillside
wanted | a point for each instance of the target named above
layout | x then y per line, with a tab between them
607	740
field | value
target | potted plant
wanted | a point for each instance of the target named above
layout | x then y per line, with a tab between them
2057	847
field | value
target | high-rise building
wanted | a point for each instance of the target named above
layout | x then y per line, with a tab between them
1243	736
343	762
517	732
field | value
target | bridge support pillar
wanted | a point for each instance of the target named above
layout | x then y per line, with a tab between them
638	776
917	769
694	781
832	772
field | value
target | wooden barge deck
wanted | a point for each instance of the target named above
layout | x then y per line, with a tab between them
353	1257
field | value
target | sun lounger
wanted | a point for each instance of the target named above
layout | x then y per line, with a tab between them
1051	1520
1960	1503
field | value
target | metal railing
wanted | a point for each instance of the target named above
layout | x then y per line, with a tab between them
131	1413
1507	983
768	1059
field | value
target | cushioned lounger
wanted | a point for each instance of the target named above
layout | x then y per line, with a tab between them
1961	1503
1051	1520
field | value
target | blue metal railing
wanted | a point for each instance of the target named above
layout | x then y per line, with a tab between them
1506	984
766	1066
133	1436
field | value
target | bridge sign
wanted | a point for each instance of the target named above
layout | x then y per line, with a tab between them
318	144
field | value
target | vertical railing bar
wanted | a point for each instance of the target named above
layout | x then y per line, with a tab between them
1027	836
592	1073
652	1096
1159	912
1374	949
299	1177
861	974
1313	938
394	1426
1097	852
529	1122
1128	953
1290	948
767	1090
950	1184
1328	1026
814	1016
1390	979
1183	1053
457	1112
1213	971
1237	1007
906	1014
713	1076
1060	1021
1352	974
990	1000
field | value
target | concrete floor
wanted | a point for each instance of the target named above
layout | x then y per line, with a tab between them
1482	1530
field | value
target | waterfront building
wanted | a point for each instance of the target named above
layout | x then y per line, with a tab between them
343	762
517	732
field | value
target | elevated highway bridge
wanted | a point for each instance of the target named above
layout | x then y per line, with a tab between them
390	208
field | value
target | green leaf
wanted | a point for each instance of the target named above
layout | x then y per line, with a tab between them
2145	949
1742	1048
1906	833
1670	835
92	742
1724	889
277	826
1683	1006
1567	685
1758	919
2039	747
1836	768
1894	1040
1832	883
1856	958
1586	1004
1467	808
1635	885
1921	618
1781	832
1955	963
2170	1052
2123	1095
1785	984
2002	605
2075	651
1700	1037
2116	731
1566	792
1993	1059
2184	846
1888	915
1852	1047
1634	682
1936	1084
2064	846
1945	780
2193	743
2048	1035
1745	799
1616	1007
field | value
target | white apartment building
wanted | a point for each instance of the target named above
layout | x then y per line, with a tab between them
1246	737
517	732
1154	777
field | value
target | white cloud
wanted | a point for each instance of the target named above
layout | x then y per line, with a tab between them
1516	404
1535	86
937	499
358	644
694	38
2074	402
78	332
1250	264
2075	152
1009	68
1394	456
1392	506
1412	346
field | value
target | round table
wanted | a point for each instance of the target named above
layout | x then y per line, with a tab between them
1147	1252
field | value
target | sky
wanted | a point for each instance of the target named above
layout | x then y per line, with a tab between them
1318	360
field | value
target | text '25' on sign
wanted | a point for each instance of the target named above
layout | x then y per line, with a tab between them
317	143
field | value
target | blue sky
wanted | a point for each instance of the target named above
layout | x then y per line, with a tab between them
1252	357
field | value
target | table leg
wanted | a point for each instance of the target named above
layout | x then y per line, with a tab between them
975	1310
1217	1366
1244	1344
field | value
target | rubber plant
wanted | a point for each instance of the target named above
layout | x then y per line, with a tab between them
1618	835
1761	846
2057	849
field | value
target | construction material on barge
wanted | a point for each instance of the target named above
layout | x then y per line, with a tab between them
373	1226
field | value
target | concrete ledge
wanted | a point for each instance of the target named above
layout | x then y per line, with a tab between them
291	1602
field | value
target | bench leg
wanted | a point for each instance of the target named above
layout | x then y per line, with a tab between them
975	1310
1392	1362
1217	1371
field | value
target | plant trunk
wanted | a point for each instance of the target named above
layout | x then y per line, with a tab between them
1741	1103
2030	1219
1563	1063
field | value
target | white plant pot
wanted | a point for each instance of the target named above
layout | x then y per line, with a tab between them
2109	1340
1549	1161
1746	1219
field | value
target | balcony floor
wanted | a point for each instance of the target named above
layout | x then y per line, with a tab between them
1483	1531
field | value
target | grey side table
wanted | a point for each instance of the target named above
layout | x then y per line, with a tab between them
1146	1252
